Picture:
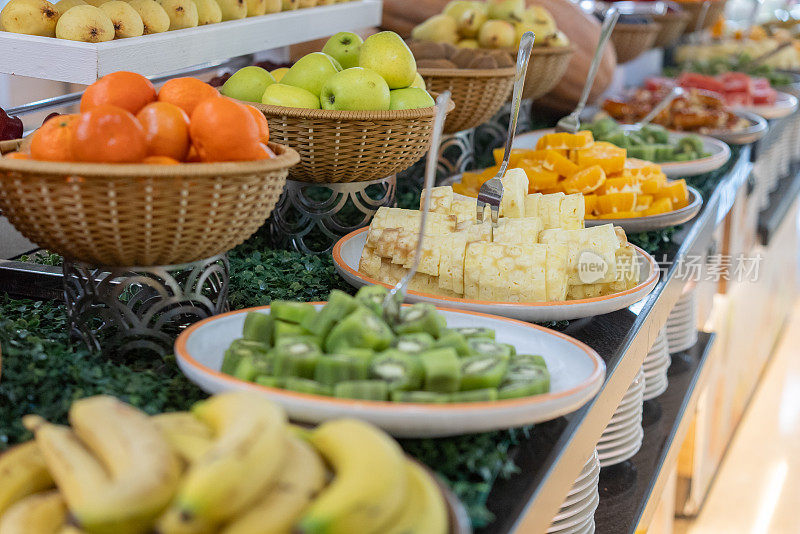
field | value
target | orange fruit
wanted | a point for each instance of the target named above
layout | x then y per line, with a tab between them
166	127
662	205
586	180
590	204
462	189
186	93
108	134
653	185
17	155
263	126
620	185
675	191
616	202
53	141
556	162
643	202
160	160
565	141
611	158
224	130
540	179
192	156
127	90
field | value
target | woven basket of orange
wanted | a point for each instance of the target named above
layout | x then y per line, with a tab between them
142	178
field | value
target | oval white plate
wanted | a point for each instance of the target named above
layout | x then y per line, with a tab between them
657	222
576	373
785	104
720	152
347	254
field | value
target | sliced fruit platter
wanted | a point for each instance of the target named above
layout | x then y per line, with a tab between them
233	464
632	193
435	372
677	153
534	266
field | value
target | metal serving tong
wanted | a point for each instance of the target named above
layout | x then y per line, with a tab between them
572	123
392	302
491	191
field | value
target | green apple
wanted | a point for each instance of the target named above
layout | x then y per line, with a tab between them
311	72
410	98
248	84
388	55
289	96
354	89
344	47
278	73
418	82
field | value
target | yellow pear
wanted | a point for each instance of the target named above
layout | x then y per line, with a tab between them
256	7
126	20
32	17
468	43
438	28
154	18
182	13
85	23
497	34
64	5
96	3
278	73
233	9
208	12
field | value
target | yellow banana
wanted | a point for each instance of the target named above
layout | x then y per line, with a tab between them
302	476
189	437
40	513
370	480
173	521
70	529
23	472
248	450
424	511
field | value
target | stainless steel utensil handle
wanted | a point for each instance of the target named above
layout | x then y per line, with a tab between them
610	20
431	163
658	108
523	56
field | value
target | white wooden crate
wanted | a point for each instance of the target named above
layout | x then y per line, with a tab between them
151	55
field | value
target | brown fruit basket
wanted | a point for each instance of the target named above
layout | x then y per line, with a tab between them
545	69
477	93
673	25
138	214
695	8
631	40
351	146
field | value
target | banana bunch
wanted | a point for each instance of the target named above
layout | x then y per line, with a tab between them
232	465
540	250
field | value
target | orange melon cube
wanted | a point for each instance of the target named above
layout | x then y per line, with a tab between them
616	202
557	163
462	189
675	191
590	204
643	202
585	181
661	205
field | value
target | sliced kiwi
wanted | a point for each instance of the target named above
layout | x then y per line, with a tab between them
295	359
376	390
270	381
455	340
290	339
291	311
334	368
516	389
360	329
419	318
372	298
529	359
528	372
258	327
487	347
475	395
339	306
442	370
237	350
413	343
475	331
304	385
284	329
398	369
252	365
479	372
423	397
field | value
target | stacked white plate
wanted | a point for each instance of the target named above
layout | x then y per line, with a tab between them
623	435
682	323
655	367
576	515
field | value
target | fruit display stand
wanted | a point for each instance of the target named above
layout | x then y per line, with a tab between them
151	55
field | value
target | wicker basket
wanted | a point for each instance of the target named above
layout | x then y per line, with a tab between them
351	146
141	215
631	40
695	8
672	26
477	93
545	69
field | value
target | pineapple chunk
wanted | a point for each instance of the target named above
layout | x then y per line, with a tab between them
492	281
386	246
432	247
472	257
441	199
451	264
521	231
370	263
556	272
549	210
584	291
572	211
465	210
532	202
515	189
476	232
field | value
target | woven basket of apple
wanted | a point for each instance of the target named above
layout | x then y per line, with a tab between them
633	35
356	111
480	81
467	26
142	178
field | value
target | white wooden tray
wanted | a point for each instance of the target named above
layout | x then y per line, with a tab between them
161	53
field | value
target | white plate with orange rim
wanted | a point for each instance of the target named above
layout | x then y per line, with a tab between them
347	254
576	374
718	152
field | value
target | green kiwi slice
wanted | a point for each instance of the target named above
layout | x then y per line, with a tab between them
475	395
258	327
398	369
237	350
372	298
252	365
295	359
424	397
479	372
376	390
361	329
418	318
442	370
304	385
334	368
455	340
291	311
487	347
339	306
475	331
413	343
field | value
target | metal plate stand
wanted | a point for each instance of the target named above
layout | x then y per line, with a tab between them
456	155
492	133
311	217
121	310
